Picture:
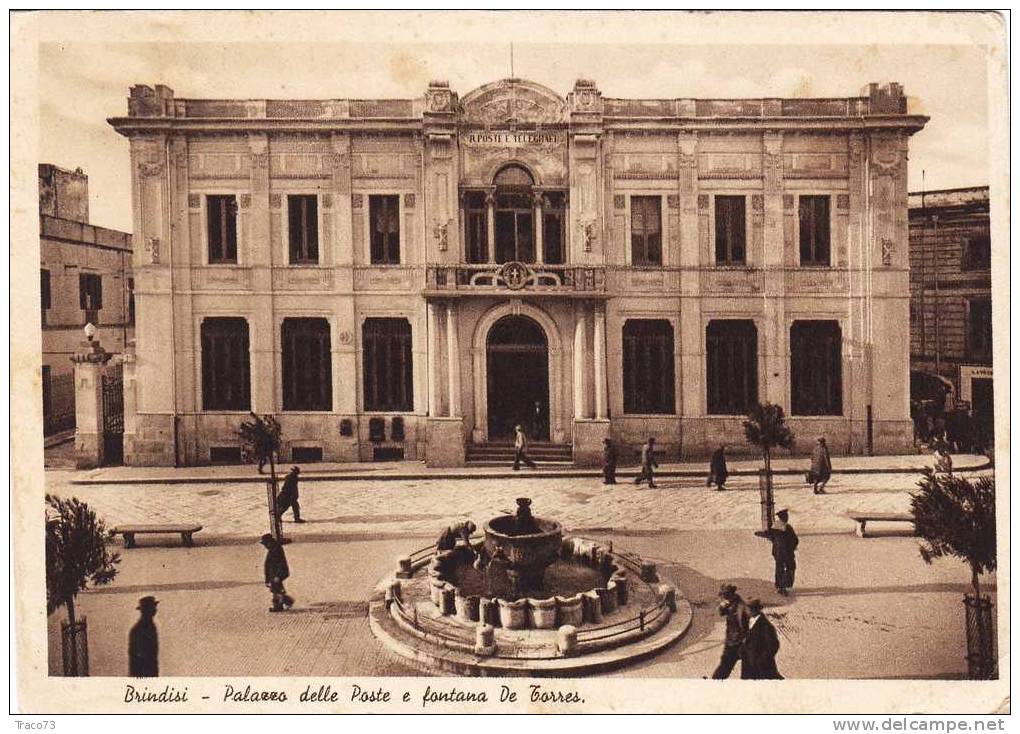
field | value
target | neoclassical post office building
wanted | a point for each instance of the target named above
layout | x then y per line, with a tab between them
413	277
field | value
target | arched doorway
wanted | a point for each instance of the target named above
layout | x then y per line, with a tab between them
517	370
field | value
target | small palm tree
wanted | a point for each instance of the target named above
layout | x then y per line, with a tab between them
76	556
766	428
260	442
956	517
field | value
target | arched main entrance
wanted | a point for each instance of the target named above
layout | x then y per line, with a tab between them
517	371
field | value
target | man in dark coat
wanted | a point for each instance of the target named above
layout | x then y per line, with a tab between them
758	656
608	461
648	463
737	617
784	548
717	472
461	531
143	642
276	572
288	497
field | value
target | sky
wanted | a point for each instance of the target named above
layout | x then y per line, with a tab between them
82	83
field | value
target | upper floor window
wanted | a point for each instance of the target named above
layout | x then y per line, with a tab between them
730	230
476	227
515	215
303	229
978	253
554	227
226	371
384	218
979	329
221	228
814	230
90	296
646	230
44	292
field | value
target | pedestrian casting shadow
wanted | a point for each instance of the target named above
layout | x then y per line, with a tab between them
905	589
366	519
211	585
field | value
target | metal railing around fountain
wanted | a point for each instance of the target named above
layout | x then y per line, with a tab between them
642	622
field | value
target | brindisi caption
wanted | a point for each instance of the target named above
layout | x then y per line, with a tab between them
530	693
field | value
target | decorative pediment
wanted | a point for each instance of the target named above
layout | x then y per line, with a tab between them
513	102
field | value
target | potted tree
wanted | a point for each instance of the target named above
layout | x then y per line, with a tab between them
766	428
76	556
956	517
260	442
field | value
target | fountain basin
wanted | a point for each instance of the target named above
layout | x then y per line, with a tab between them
528	554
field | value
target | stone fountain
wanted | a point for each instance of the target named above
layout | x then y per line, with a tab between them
529	544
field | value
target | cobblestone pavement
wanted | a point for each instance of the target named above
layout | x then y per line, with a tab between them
338	509
860	608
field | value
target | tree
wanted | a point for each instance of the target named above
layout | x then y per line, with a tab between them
76	555
766	428
956	517
260	441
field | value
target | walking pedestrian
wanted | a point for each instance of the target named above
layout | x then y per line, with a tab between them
143	642
717	472
608	461
288	497
276	572
737	617
821	466
648	463
758	657
521	449
784	551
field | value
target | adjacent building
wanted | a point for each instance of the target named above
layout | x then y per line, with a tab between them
85	277
414	277
951	301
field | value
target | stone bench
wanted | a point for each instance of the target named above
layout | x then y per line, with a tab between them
863	518
130	531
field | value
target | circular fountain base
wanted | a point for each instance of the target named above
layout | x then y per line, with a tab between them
432	621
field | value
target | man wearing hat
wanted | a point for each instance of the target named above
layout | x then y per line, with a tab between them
648	464
276	572
608	461
288	497
784	548
143	642
737	617
758	658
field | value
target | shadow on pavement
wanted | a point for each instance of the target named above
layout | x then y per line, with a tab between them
210	585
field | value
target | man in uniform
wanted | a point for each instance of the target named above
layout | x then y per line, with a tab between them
288	498
143	642
784	547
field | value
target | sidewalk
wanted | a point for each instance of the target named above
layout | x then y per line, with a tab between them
413	470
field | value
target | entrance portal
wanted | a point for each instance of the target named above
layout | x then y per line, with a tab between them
517	355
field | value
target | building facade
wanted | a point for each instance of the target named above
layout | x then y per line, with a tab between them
85	277
951	299
414	277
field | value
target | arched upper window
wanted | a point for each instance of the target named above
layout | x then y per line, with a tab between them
514	176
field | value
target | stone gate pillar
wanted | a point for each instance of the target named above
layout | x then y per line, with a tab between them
89	365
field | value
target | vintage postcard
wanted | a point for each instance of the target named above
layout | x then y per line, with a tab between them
518	362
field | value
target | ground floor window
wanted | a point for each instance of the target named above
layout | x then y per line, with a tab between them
731	366
648	369
387	366
816	368
307	365
226	371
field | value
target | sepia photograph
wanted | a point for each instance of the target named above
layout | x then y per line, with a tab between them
510	362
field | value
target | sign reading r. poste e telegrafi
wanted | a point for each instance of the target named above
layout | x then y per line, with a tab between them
512	138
